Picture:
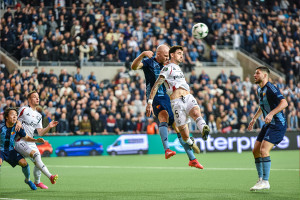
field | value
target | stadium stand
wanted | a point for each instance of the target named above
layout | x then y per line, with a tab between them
81	32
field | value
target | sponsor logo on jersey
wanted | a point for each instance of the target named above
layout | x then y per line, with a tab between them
165	69
178	76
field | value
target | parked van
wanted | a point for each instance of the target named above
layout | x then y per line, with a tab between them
129	144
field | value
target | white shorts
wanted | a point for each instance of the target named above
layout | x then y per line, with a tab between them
25	148
181	108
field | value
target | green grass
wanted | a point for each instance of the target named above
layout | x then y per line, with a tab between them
226	176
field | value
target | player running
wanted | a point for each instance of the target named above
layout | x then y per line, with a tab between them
31	119
271	105
7	140
161	102
183	103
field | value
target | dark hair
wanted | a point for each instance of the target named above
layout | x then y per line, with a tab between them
173	49
263	68
7	110
30	93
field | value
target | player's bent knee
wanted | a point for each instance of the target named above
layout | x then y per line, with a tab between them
32	153
35	155
163	116
22	162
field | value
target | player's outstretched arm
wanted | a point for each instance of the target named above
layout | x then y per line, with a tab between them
43	131
153	92
30	139
282	105
137	63
256	116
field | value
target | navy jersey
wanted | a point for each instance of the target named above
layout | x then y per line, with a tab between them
269	99
151	70
8	136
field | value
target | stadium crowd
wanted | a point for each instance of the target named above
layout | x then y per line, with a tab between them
85	105
119	30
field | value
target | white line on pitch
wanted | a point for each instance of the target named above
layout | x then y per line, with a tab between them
12	199
163	168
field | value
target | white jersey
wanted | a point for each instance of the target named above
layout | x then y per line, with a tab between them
30	119
174	78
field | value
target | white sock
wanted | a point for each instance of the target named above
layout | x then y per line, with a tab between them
189	141
41	166
200	123
37	175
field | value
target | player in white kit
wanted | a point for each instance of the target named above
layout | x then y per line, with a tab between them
183	104
31	119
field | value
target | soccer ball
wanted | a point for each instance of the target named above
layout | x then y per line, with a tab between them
200	31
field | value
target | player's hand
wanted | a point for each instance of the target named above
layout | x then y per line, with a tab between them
18	126
250	127
53	124
40	140
268	118
149	110
148	54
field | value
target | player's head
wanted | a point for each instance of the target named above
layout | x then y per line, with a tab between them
261	74
162	54
11	115
33	98
176	54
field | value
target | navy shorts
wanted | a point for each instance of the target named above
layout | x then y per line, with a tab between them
161	103
12	157
272	133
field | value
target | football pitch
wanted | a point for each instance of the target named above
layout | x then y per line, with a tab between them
225	176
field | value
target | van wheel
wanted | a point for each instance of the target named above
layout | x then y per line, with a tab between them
113	153
140	152
93	153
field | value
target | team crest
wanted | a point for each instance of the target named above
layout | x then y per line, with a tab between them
12	133
158	106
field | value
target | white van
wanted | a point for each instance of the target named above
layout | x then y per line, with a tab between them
129	144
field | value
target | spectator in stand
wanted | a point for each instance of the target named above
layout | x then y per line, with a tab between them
152	127
213	54
96	124
85	125
63	124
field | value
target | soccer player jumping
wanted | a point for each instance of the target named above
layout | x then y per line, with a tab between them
8	135
161	102
31	119
271	104
183	104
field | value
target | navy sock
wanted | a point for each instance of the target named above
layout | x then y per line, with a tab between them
259	167
163	131
26	172
266	161
186	147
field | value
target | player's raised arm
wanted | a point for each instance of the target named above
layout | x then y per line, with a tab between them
154	89
137	63
43	131
30	139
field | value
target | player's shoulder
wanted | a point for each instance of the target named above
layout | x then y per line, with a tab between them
272	87
2	125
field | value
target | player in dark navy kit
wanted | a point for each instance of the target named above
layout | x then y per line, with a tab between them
161	103
8	136
271	105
